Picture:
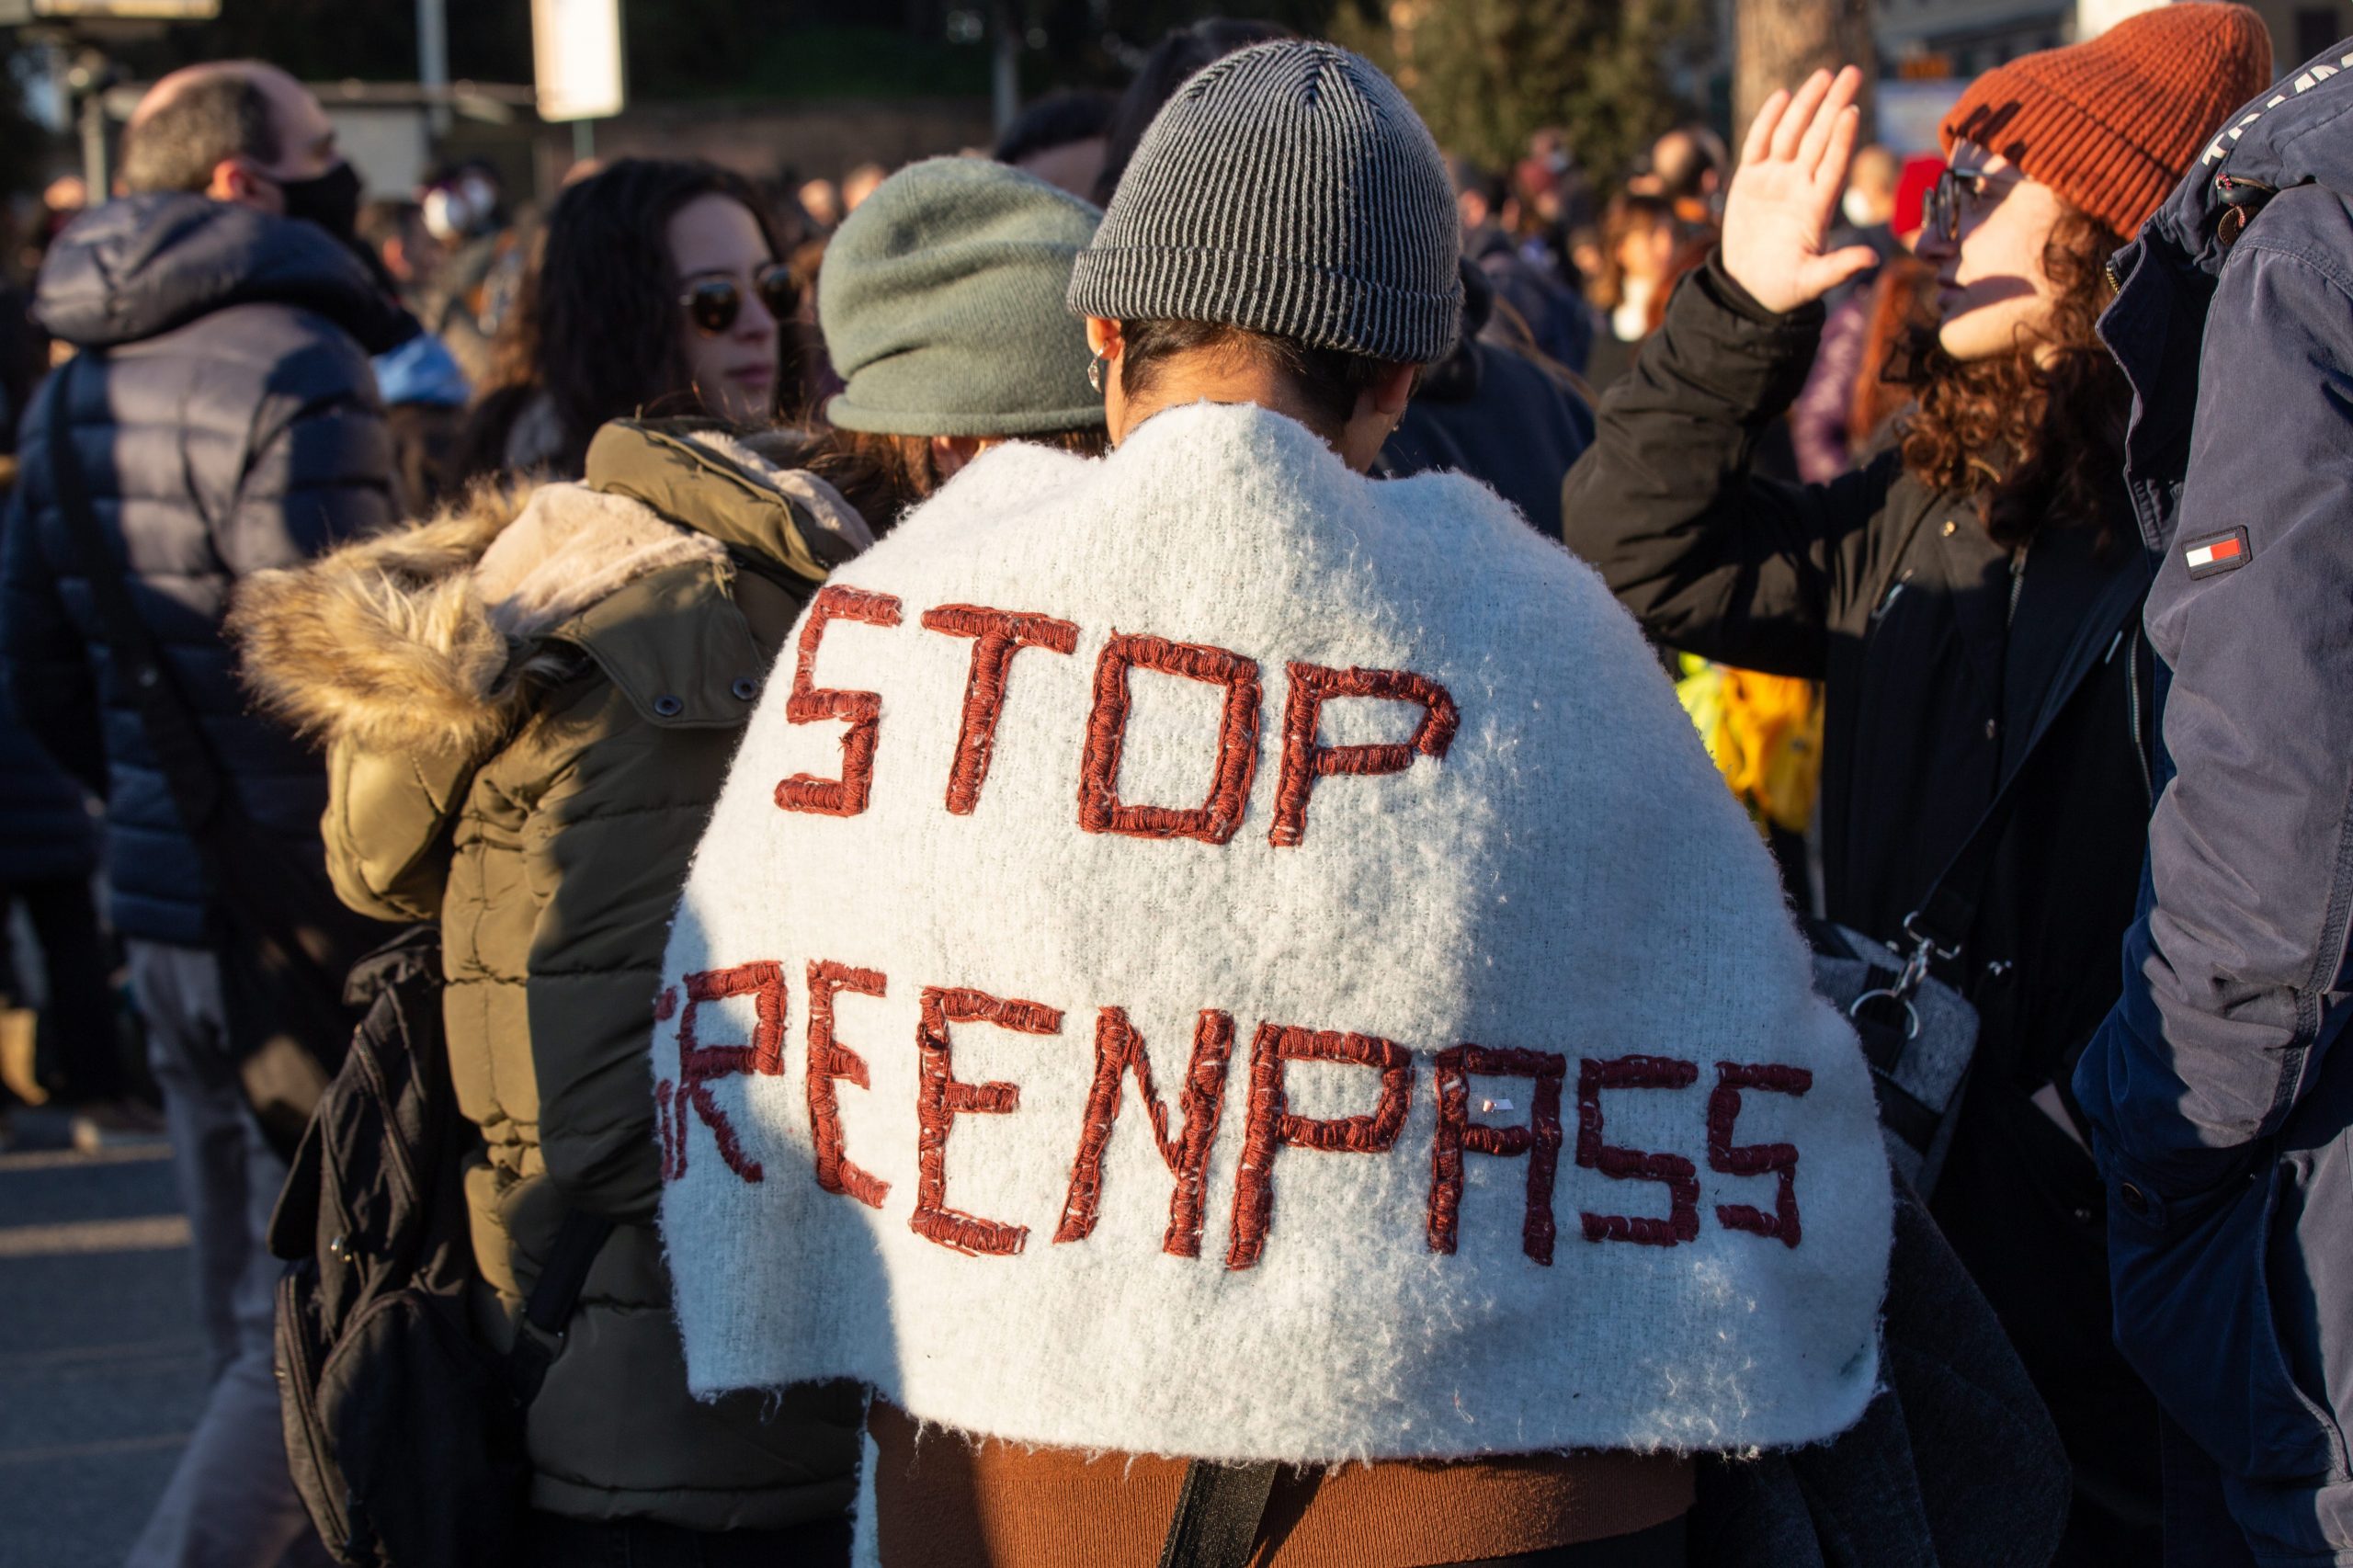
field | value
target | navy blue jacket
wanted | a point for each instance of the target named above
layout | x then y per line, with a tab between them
2217	1088
228	422
45	834
1487	411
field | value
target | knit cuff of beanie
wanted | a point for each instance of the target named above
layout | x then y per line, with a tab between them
883	404
1322	307
2066	146
2110	124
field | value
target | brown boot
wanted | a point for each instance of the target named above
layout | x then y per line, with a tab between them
18	1068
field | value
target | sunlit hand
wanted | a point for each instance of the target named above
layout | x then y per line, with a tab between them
1785	195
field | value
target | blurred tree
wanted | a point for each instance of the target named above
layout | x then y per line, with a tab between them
1778	43
1485	74
327	40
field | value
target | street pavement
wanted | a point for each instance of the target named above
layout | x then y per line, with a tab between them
102	1366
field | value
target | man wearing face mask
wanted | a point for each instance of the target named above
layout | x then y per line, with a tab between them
225	421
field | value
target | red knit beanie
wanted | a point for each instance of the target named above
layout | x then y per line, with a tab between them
2113	124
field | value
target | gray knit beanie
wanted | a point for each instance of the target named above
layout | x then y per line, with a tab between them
941	302
1289	188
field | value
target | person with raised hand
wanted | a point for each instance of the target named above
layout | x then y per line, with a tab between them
1970	602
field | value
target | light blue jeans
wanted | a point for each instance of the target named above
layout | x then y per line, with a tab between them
230	1502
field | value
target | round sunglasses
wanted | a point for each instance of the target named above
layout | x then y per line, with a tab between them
713	303
1956	192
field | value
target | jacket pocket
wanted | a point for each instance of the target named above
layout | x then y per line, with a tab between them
2195	1315
2292	1317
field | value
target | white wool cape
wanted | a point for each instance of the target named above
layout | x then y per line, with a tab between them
1570	877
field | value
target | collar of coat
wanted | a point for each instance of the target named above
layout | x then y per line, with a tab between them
391	643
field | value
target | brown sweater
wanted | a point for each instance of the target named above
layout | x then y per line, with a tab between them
945	1502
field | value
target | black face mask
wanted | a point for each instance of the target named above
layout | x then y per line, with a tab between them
332	200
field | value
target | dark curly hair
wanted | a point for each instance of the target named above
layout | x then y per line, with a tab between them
2036	444
597	325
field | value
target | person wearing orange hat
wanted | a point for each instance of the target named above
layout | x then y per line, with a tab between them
1970	600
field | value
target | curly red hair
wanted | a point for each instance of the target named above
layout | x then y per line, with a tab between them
2035	436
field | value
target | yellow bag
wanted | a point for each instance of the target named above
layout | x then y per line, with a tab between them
1764	734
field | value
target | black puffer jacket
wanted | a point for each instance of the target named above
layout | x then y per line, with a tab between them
228	422
1940	651
1488	411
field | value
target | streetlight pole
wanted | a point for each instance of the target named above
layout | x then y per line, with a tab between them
87	79
95	174
433	61
1005	66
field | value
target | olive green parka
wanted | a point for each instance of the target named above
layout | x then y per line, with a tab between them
529	704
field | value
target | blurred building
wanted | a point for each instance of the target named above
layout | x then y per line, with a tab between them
1922	40
1931	49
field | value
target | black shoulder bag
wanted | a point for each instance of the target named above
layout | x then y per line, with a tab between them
287	941
1918	1033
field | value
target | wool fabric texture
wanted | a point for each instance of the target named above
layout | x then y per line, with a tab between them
941	303
2111	124
1289	188
1259	1268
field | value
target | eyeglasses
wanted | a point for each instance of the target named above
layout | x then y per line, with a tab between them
1941	214
713	303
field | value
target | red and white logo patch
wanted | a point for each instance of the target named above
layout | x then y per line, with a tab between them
2218	553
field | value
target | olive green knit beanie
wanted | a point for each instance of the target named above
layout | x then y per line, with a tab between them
942	301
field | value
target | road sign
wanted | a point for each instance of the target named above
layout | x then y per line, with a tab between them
577	57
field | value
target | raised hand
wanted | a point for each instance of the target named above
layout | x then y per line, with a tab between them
1778	210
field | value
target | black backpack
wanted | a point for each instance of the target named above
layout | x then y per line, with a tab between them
403	1423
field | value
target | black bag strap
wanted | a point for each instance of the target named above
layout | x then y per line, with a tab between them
1216	1522
577	1241
549	1307
1947	911
172	731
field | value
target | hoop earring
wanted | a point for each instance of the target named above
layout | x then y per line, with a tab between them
1094	374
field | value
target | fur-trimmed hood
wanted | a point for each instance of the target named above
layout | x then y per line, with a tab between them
423	639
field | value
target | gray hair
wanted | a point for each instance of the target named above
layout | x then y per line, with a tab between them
175	145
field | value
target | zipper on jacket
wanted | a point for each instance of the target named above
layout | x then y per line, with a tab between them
402	1161
297	1366
2133	713
1894	592
2017	581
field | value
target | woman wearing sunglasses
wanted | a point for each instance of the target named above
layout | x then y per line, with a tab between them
659	291
529	703
1966	599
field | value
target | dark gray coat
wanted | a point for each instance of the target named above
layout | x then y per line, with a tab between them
228	422
2219	1089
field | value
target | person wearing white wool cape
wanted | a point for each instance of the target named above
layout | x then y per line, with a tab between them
1208	967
